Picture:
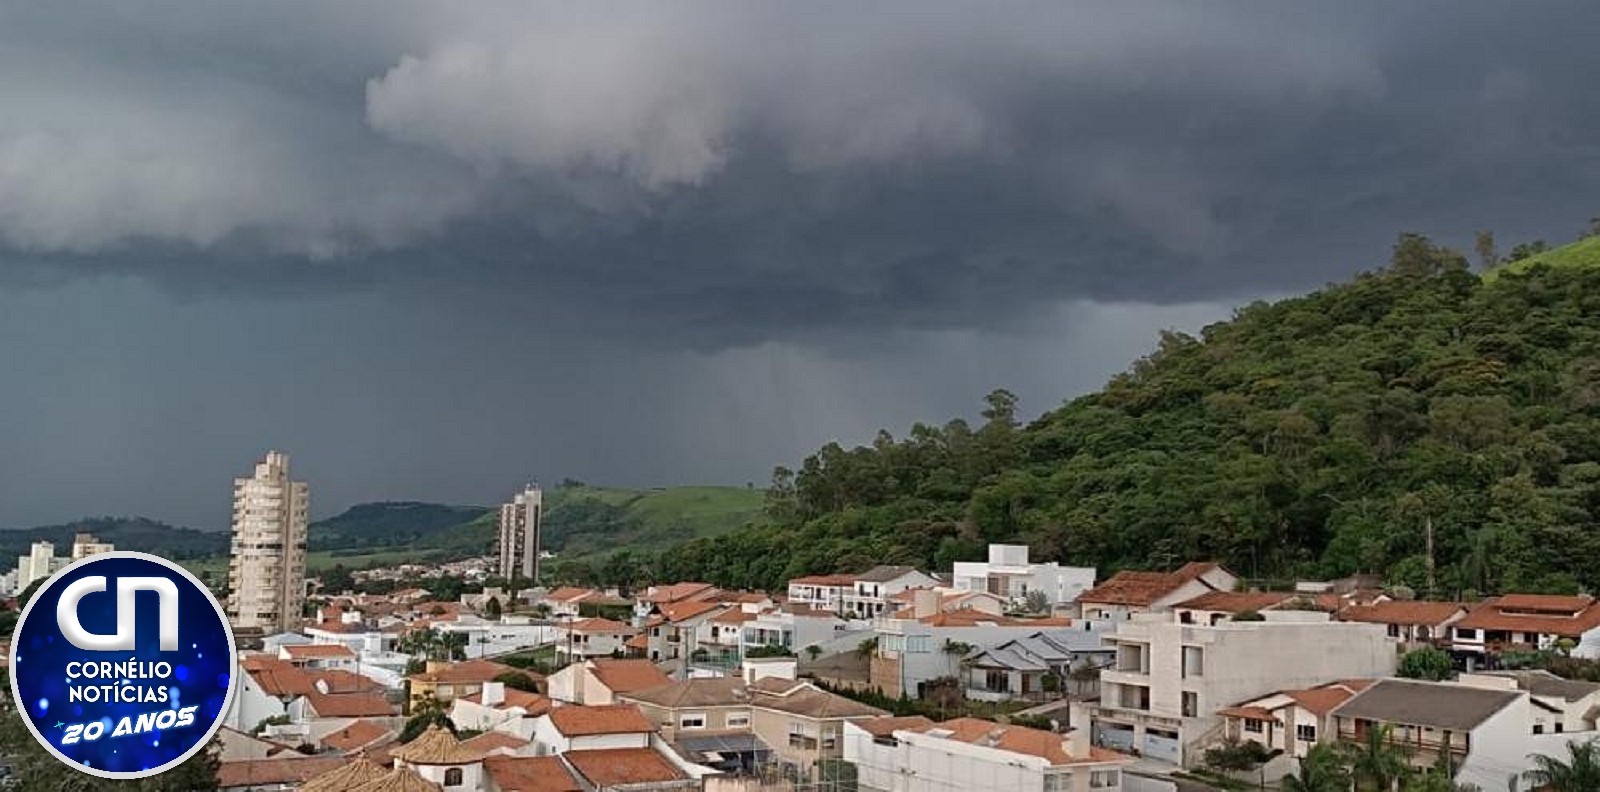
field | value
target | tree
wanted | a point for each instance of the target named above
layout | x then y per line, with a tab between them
813	651
1483	244
492	608
1426	663
1036	601
867	648
1377	761
518	681
1320	771
1580	772
428	712
1237	756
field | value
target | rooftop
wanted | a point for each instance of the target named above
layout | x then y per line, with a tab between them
1413	703
806	700
579	721
343	777
1406	612
279	770
531	774
701	692
617	766
626	676
1046	745
436	746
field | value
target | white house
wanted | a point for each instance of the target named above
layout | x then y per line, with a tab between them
870	592
588	638
792	627
914	755
1009	574
914	650
489	638
1128	593
1291	721
498	708
599	681
1530	621
823	592
1038	667
579	728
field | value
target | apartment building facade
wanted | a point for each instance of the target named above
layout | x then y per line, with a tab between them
521	522
267	570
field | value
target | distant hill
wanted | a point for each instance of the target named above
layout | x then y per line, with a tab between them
1585	253
388	525
127	533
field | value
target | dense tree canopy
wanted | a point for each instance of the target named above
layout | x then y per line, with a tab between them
1318	436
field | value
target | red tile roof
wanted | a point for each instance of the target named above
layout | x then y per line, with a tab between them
286	770
491	741
576	721
678	591
531	703
837	581
1238	601
350	705
626	676
1046	745
1249	713
606	626
531	774
734	616
1133	588
472	672
618	766
318	651
357	735
1412	613
682	611
1567	617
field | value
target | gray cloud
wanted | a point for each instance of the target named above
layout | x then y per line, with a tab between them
415	193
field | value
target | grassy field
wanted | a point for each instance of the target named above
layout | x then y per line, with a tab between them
1583	253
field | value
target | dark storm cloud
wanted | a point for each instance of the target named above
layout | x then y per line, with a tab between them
723	174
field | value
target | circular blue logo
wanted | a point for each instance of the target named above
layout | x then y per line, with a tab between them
123	665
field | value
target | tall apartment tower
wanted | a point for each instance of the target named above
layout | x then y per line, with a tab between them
267	574
520	521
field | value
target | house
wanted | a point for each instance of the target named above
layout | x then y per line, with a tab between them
918	649
626	769
1560	706
1161	697
792	627
1530	621
1039	667
906	755
870	592
530	774
438	757
1413	623
902	605
580	728
359	737
706	720
1129	592
318	655
682	624
586	638
351	774
719	639
1486	733
569	602
595	682
1008	573
1291	721
823	592
498	707
1217	606
801	722
444	682
656	596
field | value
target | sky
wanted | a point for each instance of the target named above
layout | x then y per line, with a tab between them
434	250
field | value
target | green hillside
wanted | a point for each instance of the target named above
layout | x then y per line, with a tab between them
1313	437
127	533
1583	253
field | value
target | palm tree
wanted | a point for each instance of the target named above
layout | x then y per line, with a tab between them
1320	771
1580	773
1378	761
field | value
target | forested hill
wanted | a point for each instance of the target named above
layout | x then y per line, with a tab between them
1316	436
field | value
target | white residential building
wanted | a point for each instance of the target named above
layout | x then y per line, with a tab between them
85	545
929	644
521	521
916	755
267	573
792	628
1162	696
870	592
590	728
1129	592
40	562
1009	574
588	638
823	592
489	638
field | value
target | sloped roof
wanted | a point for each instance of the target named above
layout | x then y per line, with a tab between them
1568	617
472	672
1133	588
733	616
531	774
398	780
885	573
617	766
1048	746
836	581
677	591
1440	705
531	703
1249	713
806	700
687	609
1404	612
883	727
599	626
349	775
626	676
358	734
436	746
491	741
578	721
1548	685
1322	700
1238	601
699	692
364	704
295	769
318	651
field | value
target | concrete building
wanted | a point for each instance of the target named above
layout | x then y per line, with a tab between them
85	545
1162	695
38	564
916	755
267	573
520	524
1009	574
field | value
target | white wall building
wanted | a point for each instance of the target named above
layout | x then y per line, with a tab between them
40	562
793	629
1009	574
267	573
915	755
1162	695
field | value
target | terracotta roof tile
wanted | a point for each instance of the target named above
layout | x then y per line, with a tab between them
883	727
626	676
734	616
470	672
1238	601
1133	588
836	581
436	746
617	766
599	626
681	611
398	780
318	651
677	591
1536	614
1048	746
285	770
575	721
357	735
492	741
531	774
531	703
350	705
353	774
1413	613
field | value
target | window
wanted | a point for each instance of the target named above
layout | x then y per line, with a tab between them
917	644
1305	732
1194	664
1191	704
1394	631
1466	634
738	721
1559	727
1056	782
452	777
1252	725
997	681
692	720
1538	728
1103	779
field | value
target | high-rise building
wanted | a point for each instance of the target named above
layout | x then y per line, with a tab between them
85	545
40	562
267	574
520	521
